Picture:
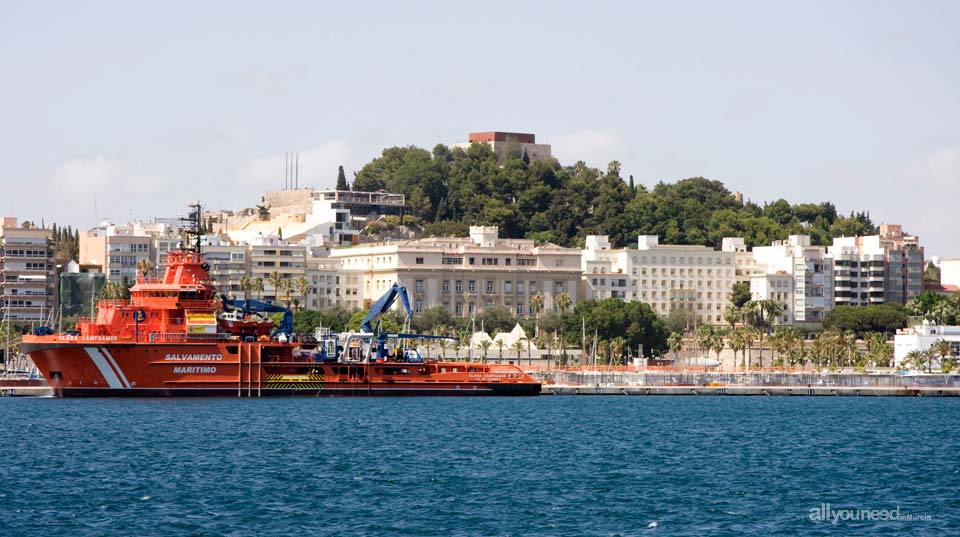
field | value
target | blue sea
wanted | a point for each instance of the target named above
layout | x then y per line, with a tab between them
550	465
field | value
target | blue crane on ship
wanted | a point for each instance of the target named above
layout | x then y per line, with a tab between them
371	325
257	307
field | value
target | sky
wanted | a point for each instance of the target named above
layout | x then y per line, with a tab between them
130	110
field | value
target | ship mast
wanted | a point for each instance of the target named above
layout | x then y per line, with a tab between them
192	227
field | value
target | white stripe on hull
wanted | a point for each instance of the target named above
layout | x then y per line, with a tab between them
98	360
116	366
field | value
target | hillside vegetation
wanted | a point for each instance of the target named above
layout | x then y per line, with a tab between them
449	190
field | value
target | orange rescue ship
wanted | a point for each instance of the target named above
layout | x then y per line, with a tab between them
169	339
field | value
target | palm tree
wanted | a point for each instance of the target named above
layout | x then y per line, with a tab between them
144	267
716	344
246	285
618	346
517	346
276	280
704	337
675	341
562	302
739	343
443	343
499	344
732	315
302	285
941	348
486	346
603	348
258	286
613	168
537	302
287	287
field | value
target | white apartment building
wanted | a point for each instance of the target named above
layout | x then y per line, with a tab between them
859	271
340	215
28	281
810	269
696	278
464	275
228	264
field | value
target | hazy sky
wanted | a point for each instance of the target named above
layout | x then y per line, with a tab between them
153	106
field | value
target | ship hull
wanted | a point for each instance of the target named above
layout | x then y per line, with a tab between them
235	369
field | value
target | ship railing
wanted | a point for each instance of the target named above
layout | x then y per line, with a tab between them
181	337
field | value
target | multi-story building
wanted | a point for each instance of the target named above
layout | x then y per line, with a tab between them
811	270
859	271
465	275
694	278
289	261
503	143
228	264
887	267
323	276
116	250
905	264
342	214
28	280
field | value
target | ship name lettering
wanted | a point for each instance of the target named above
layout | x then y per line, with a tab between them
195	369
192	357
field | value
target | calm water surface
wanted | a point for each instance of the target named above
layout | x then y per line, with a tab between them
431	466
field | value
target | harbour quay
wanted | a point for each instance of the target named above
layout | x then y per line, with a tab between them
783	384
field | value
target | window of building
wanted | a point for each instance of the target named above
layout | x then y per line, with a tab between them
419	260
446	286
418	286
489	286
458	286
472	286
519	309
507	287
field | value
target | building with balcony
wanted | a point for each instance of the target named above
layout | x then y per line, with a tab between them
464	275
667	277
290	261
28	279
887	267
342	214
117	249
859	271
810	269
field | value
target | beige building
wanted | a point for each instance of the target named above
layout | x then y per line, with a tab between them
28	280
288	260
116	250
667	277
464	275
323	276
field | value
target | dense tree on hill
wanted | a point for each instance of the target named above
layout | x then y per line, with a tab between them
454	188
342	179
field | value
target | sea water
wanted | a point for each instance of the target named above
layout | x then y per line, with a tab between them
480	466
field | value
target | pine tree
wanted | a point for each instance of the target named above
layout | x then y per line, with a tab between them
342	180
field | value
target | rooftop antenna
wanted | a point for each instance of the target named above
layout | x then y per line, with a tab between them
297	180
286	168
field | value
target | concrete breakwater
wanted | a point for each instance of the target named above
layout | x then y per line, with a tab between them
712	383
